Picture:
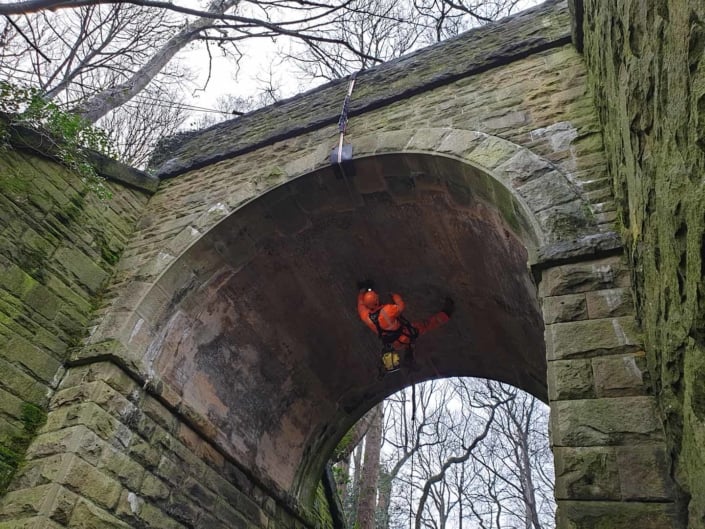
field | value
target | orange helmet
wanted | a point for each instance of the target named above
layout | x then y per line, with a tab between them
370	299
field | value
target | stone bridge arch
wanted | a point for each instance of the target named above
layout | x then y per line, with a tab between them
533	196
211	308
437	182
194	322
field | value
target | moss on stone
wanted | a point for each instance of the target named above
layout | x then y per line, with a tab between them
12	449
33	417
71	211
109	256
651	111
504	201
321	510
110	251
11	184
33	261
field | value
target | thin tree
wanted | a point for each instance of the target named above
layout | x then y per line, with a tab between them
97	56
417	428
367	502
492	487
351	447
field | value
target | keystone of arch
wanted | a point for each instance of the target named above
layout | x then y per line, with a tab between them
552	203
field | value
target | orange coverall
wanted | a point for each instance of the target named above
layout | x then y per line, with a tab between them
389	319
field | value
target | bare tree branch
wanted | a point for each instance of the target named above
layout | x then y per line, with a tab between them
27	39
454	460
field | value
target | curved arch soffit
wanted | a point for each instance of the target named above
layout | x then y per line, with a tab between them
520	185
534	197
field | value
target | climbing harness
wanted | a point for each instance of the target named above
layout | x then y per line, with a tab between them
388	337
391	359
343	152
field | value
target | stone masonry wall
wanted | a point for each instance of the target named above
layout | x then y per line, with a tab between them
58	246
611	462
647	68
109	455
112	456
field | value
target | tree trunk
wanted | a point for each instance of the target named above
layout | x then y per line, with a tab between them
350	504
367	503
103	102
352	439
526	473
454	460
384	499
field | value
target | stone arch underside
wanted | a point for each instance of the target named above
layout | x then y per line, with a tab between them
260	336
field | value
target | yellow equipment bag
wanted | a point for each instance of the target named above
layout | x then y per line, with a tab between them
390	360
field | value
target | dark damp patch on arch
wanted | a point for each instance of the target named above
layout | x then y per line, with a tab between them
262	336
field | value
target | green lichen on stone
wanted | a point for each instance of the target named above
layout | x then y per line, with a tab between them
648	84
275	173
69	214
33	418
109	256
10	458
33	262
321	509
110	249
12	449
505	203
12	184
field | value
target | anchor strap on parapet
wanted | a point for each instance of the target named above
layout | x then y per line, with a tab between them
338	156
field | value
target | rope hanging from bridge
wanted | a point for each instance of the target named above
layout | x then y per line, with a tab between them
344	152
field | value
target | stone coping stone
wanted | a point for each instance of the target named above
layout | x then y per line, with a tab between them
532	31
28	139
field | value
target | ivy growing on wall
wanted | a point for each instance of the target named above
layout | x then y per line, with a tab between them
68	137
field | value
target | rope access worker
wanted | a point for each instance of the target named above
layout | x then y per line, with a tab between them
395	331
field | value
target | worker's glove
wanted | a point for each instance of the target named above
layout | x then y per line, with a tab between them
366	284
448	307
